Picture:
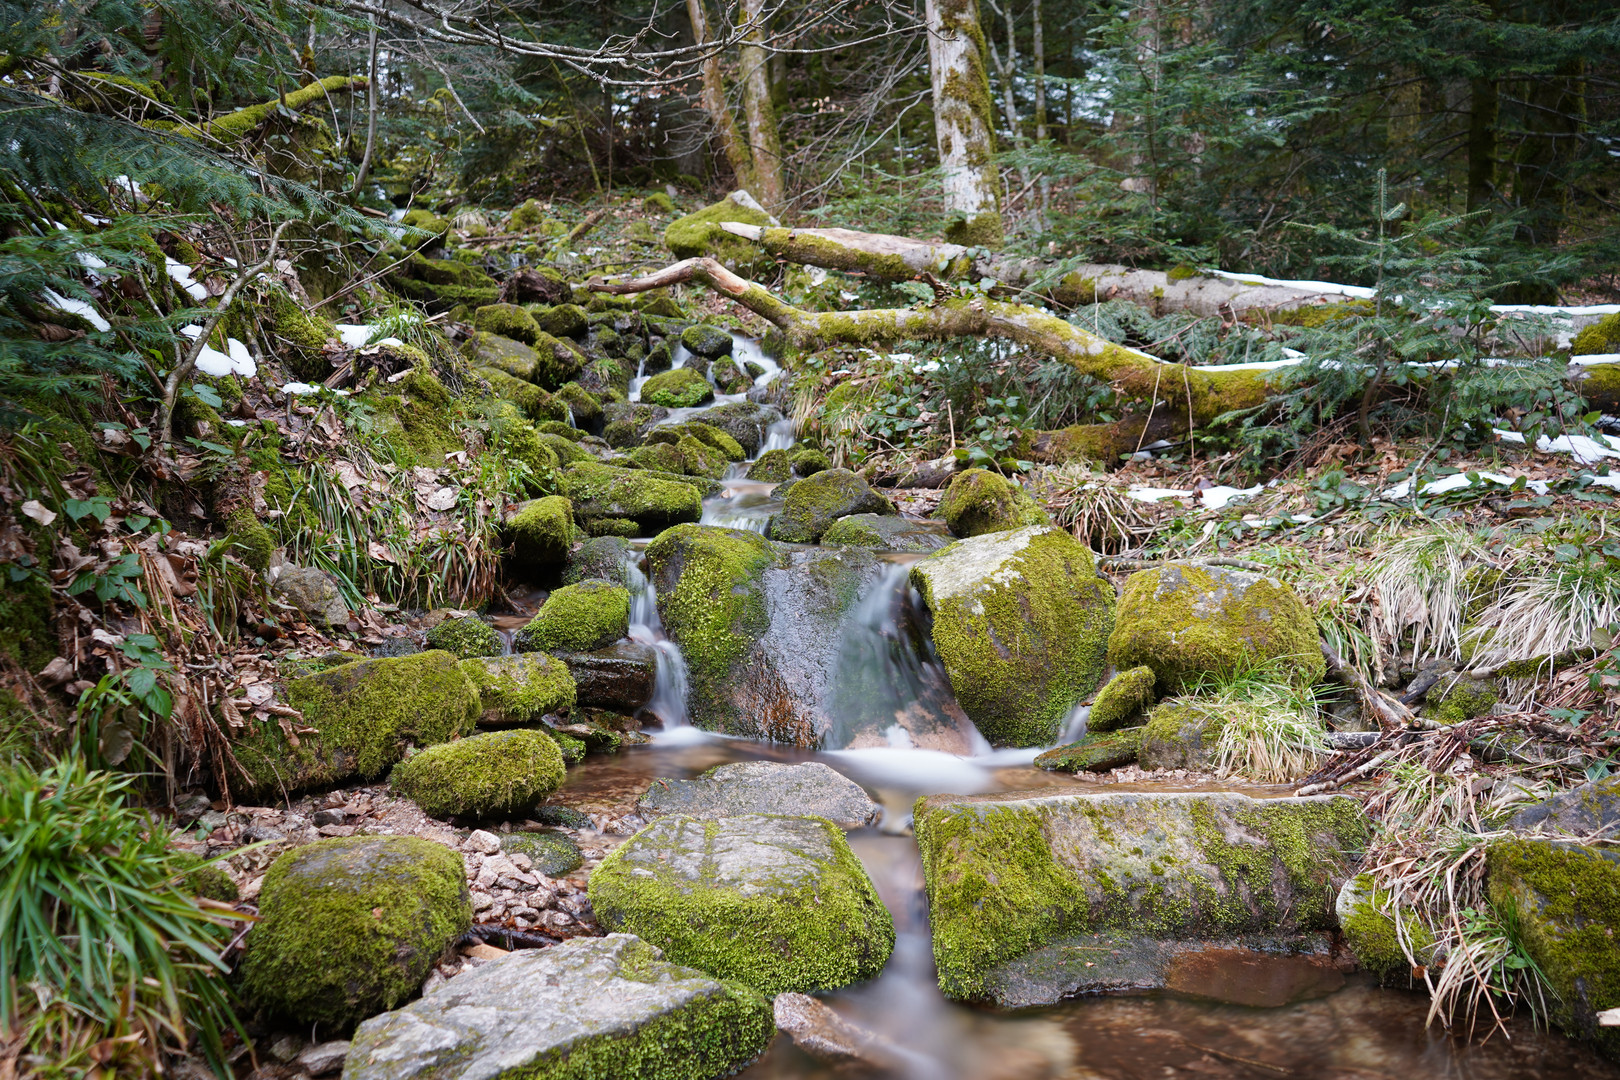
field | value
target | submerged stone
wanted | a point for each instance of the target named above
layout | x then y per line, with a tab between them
1094	752
1186	619
778	903
350	926
590	1007
1020	622
763	787
1012	874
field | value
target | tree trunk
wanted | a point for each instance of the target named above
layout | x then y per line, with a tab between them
963	123
1162	400
714	102
1482	119
763	142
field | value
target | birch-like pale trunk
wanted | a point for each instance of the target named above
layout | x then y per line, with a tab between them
964	125
763	141
714	101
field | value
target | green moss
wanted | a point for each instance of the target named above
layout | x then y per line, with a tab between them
652	501
553	853
612	526
1318	315
573	749
710	598
302	336
558	362
979	501
521	688
1181	272
350	926
584	411
1367	916
578	618
1095	752
364	714
658	203
526	215
253	541
1182	733
1184	619
678	388
665	457
815	931
542	531
508	321
498	773
1602	336
811	505
707	434
1463	699
1126	694
534	402
465	637
421	405
771	467
566	451
852	532
700	234
26	633
242	122
202	877
565	321
1562	903
427	221
1020	622
808	461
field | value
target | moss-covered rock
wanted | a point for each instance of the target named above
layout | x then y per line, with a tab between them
541	532
1384	937
503	354
808	461
1565	899
1182	733
26	634
303	335
466	637
204	878
1007	875
679	388
1184	619
1097	752
1456	698
526	215
584	411
565	321
979	501
496	773
578	618
350	926
421	406
364	715
706	341
662	457
728	377
605	558
567	451
1020	622
553	853
588	1009
813	504
748	422
771	467
508	321
707	434
1602	336
254	542
700	234
653	503
885	533
519	689
1125	696
560	361
798	911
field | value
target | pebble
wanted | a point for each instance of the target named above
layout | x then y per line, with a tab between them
485	843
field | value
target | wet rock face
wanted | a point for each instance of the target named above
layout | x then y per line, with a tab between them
745	421
798	911
312	593
1185	619
763	787
707	341
1020	621
1581	811
608	1006
885	533
1013	882
620	677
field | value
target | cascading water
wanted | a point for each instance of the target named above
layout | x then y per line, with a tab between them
669	687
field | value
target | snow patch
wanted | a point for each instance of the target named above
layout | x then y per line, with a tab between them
83	309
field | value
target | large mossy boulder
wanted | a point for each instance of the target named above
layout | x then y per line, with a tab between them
699	234
519	689
1566	899
350	926
578	618
503	354
1020	622
813	504
1186	619
1185	732
882	532
541	532
763	787
497	773
1023	889
706	341
358	720
777	903
651	501
466	636
588	1008
507	321
979	501
771	467
678	388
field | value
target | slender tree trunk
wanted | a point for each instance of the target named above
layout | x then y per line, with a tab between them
963	124
1482	119
763	141
371	114
1038	46
714	102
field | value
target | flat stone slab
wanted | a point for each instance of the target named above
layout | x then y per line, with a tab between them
1007	875
764	787
780	903
620	677
610	1006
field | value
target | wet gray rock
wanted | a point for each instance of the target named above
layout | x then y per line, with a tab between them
552	853
603	557
1591	808
1170	866
706	341
763	787
832	1040
323	1059
814	503
745	421
884	533
620	677
615	1002
312	593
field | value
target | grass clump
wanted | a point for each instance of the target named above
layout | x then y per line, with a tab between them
1271	730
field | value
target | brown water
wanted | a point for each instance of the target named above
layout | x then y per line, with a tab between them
1234	1015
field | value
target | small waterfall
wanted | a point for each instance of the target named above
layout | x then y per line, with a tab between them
743	504
779	436
669	687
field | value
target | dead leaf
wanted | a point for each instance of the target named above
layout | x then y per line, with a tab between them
259	693
34	510
442	499
380	552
